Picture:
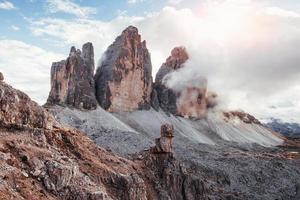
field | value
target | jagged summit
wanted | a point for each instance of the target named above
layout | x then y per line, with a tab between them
178	57
124	79
131	30
72	82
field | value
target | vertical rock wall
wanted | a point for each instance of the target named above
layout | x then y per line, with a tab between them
124	80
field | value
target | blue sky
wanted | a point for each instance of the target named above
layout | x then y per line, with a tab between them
26	10
255	41
16	21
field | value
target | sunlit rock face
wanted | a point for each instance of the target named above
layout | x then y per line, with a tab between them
72	82
190	98
124	80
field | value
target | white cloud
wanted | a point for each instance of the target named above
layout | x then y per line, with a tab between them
174	2
249	55
15	28
134	1
67	6
6	5
27	67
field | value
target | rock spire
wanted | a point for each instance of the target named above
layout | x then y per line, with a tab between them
123	79
72	82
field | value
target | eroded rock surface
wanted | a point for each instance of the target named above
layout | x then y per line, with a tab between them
72	82
124	80
164	143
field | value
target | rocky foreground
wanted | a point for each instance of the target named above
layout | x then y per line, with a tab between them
41	159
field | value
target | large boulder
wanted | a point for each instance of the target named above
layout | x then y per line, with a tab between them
123	79
72	82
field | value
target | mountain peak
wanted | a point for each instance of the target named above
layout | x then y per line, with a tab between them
124	79
131	29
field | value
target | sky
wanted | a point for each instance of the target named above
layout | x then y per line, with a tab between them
248	50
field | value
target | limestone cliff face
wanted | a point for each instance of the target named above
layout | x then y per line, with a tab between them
72	82
124	80
191	100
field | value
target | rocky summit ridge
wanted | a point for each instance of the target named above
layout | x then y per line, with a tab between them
123	80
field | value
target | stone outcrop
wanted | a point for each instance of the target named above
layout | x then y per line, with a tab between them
1	76
164	143
124	80
72	82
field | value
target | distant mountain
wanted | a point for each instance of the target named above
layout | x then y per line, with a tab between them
285	128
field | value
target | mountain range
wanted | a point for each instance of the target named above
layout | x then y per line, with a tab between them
119	133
